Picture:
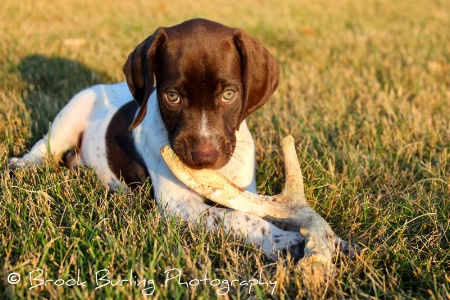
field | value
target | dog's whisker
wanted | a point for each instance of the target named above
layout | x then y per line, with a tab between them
244	142
238	158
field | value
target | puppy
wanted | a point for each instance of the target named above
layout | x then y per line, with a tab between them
192	86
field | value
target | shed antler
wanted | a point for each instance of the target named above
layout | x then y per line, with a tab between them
290	207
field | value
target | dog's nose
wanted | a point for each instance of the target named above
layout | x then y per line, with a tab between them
205	156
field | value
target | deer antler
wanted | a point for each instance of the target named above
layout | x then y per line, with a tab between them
289	207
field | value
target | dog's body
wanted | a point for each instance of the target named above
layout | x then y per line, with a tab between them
209	78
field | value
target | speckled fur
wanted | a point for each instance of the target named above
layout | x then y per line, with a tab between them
88	115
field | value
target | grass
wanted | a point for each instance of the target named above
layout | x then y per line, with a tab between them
365	91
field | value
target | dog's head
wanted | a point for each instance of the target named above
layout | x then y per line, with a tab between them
209	78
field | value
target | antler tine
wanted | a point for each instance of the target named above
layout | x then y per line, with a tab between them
290	207
293	191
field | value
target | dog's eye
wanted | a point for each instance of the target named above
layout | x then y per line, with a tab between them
228	96
173	97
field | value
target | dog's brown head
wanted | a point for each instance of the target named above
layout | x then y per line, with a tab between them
209	78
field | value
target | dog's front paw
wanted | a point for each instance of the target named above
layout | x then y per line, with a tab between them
16	163
295	247
347	249
297	250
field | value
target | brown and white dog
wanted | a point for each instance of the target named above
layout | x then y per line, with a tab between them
192	86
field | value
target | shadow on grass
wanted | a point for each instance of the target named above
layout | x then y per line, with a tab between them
52	82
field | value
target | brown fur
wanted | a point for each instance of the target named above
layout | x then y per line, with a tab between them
123	159
199	60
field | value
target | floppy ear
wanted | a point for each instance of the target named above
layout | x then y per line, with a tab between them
260	72
139	72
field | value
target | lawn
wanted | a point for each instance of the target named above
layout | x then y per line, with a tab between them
364	90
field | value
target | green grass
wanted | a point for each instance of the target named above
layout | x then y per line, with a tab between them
364	90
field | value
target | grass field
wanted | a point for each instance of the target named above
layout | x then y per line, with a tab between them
364	90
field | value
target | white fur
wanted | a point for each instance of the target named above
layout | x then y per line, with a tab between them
204	131
90	113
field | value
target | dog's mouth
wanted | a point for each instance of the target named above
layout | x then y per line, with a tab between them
203	155
204	159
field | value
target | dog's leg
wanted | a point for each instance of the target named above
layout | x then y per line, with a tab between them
271	238
175	199
65	132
